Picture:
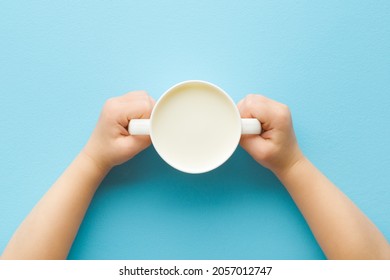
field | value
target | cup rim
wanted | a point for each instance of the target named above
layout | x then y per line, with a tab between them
228	153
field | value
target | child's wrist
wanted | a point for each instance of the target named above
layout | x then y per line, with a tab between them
97	164
297	159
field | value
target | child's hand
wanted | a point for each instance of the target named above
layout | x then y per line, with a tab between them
110	143
276	147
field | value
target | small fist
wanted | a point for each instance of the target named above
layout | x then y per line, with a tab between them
110	143
276	147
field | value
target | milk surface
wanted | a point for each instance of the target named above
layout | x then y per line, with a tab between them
195	128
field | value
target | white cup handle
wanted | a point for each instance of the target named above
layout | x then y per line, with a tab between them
139	127
250	126
142	126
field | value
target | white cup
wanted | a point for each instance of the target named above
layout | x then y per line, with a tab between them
195	126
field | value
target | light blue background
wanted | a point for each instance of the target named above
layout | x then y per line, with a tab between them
328	60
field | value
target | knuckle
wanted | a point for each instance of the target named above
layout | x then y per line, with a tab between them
110	104
145	105
250	100
256	97
284	112
142	93
251	96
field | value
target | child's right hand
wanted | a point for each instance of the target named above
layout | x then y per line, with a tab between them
276	147
110	143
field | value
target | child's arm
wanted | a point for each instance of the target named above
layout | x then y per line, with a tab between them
49	230
341	229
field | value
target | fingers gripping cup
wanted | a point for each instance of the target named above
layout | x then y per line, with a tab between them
195	126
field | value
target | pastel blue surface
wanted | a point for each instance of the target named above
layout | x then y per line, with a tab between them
328	60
